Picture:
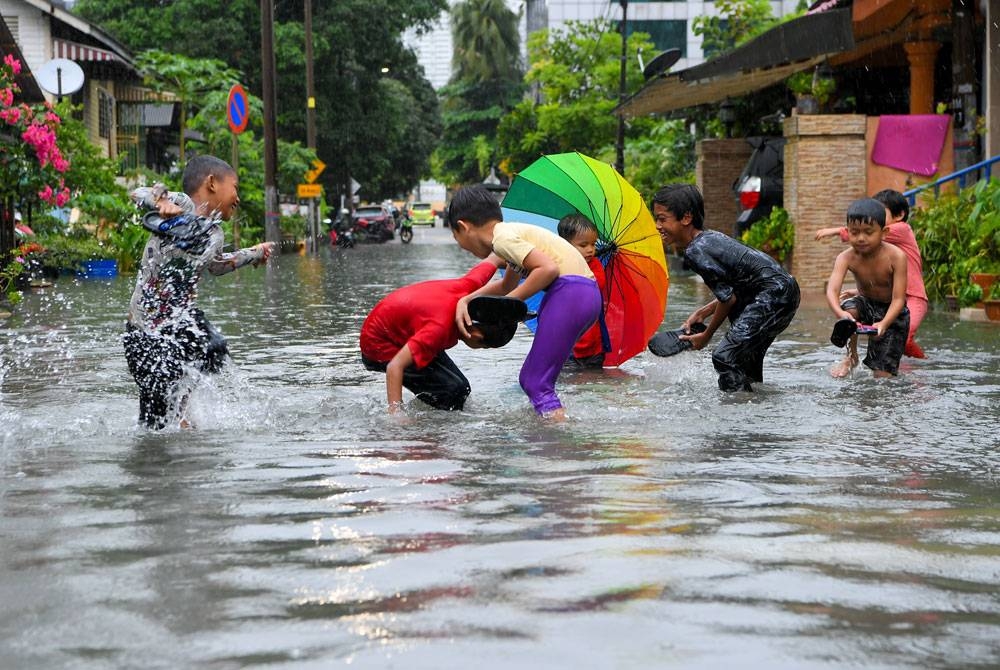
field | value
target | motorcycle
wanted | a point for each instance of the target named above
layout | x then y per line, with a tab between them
405	228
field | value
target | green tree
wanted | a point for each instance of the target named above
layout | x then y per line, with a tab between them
189	79
575	75
736	22
353	40
485	85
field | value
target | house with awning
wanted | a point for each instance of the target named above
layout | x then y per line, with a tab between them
123	118
923	81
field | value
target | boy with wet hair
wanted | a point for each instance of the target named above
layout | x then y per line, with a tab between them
751	289
581	232
880	273
166	334
899	233
406	335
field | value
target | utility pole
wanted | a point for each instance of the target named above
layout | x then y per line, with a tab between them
620	141
272	232
311	124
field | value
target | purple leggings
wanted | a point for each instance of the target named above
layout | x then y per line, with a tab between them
571	305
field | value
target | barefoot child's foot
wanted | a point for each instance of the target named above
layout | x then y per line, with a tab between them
844	367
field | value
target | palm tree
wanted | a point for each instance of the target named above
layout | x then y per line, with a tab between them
486	83
487	46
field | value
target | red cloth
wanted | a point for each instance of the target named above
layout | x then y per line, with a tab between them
420	315
912	142
590	343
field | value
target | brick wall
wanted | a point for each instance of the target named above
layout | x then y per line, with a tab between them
719	164
825	161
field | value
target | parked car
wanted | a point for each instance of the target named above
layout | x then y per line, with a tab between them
373	223
760	187
422	214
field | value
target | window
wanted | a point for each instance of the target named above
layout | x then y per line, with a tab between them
14	26
105	113
664	34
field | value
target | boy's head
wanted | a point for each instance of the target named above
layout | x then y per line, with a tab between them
470	215
866	211
895	202
490	335
212	184
680	200
581	232
475	205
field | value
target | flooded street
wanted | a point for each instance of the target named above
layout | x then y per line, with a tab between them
817	523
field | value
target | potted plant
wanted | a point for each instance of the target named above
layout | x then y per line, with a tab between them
969	295
800	84
992	303
774	235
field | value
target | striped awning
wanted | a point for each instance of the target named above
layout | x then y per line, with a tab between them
83	52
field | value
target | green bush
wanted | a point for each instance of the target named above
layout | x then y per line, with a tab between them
774	235
64	253
958	234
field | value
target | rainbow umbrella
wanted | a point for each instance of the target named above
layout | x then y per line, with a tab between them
629	246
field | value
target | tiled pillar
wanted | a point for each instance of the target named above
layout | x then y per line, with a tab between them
825	160
719	163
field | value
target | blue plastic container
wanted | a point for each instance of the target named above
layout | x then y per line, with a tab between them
98	269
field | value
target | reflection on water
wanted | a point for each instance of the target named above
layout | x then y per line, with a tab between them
818	523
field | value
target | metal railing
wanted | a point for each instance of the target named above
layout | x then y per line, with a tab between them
962	176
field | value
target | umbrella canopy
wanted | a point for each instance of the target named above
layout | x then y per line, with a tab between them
629	246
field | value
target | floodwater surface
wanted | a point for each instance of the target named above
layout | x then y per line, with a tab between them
816	523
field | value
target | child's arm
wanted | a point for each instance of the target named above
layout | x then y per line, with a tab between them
542	271
719	311
898	290
227	262
394	378
834	284
700	315
830	232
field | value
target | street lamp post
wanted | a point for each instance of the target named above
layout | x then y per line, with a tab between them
620	141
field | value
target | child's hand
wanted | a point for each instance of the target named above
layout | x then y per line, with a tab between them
882	327
166	207
827	232
265	248
845	315
848	293
698	341
462	318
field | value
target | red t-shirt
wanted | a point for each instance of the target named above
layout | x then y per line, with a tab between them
421	315
590	343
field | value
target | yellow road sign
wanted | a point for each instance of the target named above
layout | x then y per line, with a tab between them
309	190
317	169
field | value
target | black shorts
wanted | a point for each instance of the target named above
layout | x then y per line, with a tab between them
883	353
440	383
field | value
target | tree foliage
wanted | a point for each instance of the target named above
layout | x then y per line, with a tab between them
486	83
352	41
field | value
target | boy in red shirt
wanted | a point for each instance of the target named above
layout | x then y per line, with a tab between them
407	332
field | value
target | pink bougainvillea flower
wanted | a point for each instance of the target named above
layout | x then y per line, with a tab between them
14	63
6	97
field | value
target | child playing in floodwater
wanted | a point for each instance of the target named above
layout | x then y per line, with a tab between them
751	289
899	233
880	273
546	262
406	335
165	332
581	232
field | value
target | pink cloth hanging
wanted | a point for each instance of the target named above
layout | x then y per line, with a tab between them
912	143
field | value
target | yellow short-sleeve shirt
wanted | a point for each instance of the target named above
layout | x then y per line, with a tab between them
514	241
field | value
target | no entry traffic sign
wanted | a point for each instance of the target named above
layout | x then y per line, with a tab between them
238	110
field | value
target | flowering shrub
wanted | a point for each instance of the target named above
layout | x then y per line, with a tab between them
9	274
32	165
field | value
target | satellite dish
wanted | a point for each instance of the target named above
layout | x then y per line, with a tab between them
60	76
661	63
